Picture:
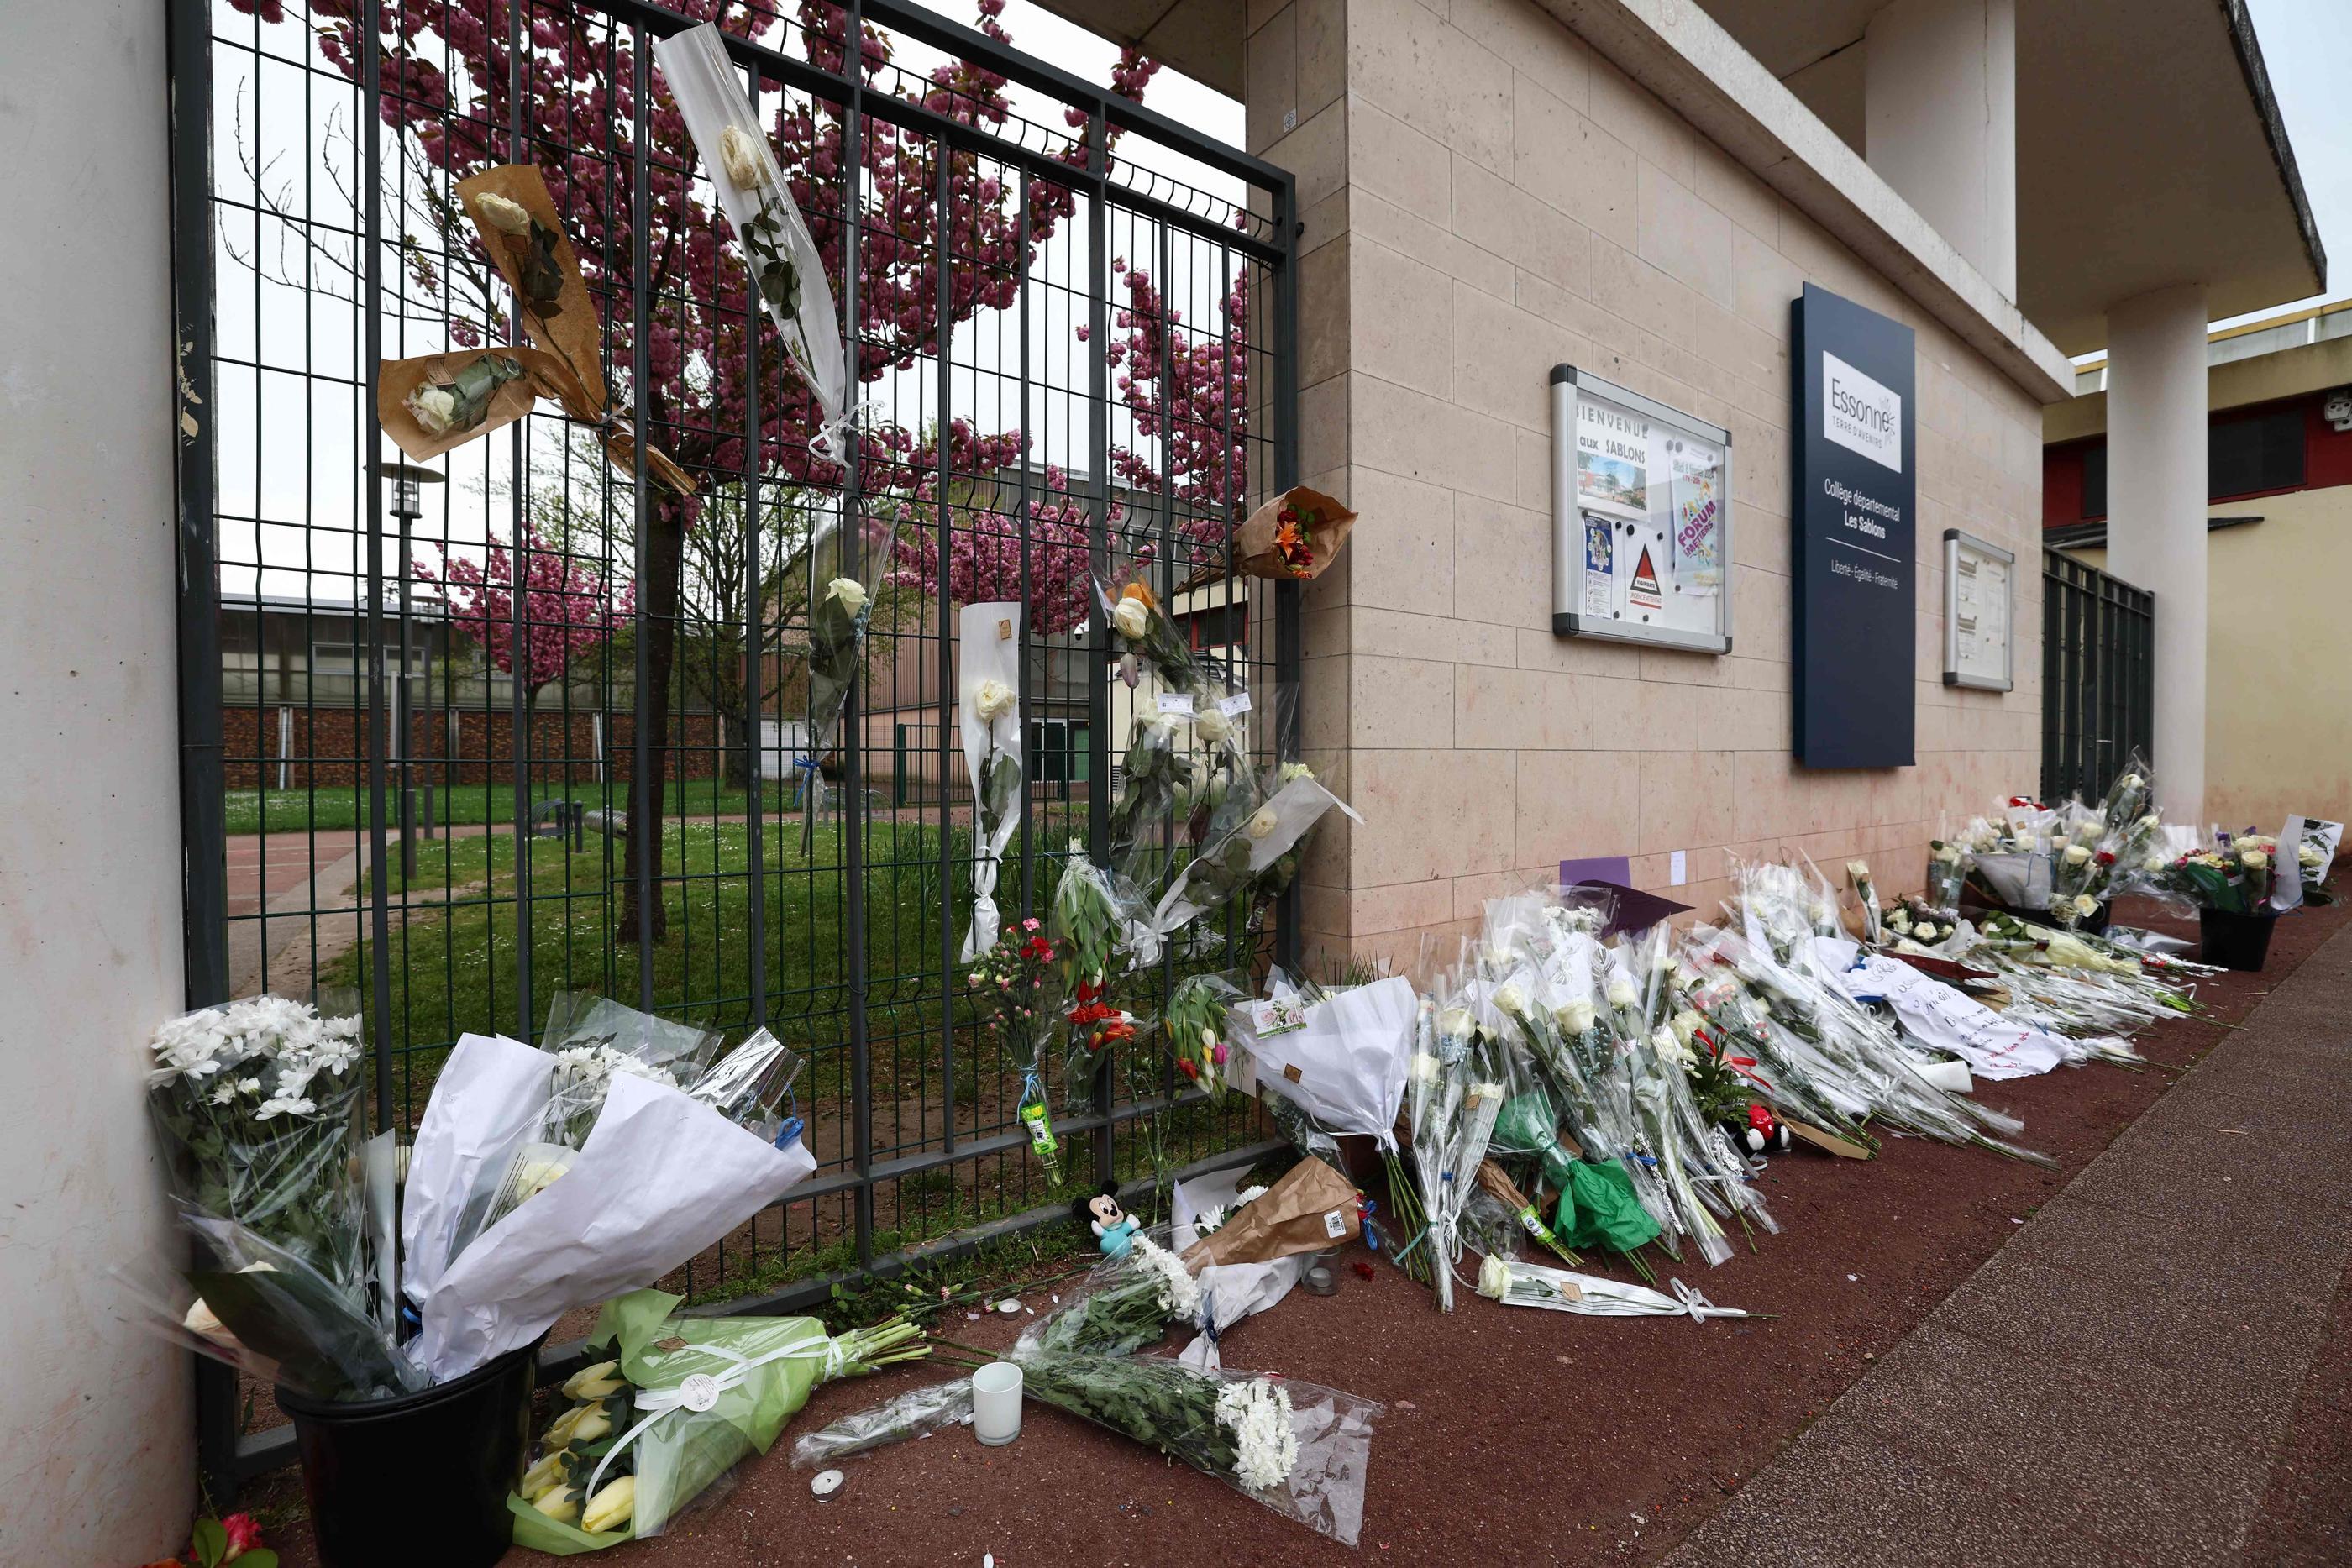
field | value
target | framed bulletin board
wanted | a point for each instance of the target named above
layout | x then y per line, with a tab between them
1979	608
1641	506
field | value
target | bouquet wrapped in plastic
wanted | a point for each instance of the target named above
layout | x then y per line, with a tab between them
1300	1450
257	1104
843	574
988	717
681	1402
1517	1284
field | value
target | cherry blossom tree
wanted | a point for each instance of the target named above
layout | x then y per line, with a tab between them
447	74
569	609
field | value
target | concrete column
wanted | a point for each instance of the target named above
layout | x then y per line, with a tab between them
1939	110
2156	513
96	1432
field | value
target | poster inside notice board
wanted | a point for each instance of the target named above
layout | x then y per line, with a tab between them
1641	519
1854	558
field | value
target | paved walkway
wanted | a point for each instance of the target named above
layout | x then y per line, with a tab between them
2118	1382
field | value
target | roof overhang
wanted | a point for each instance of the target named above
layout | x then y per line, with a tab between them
2150	151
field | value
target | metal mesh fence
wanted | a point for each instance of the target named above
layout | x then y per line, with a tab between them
462	742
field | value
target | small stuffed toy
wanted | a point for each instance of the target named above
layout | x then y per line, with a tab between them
1114	1227
1759	1131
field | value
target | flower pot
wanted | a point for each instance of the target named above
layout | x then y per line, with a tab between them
424	1473
2236	941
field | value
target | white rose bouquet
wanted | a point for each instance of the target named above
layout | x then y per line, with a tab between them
988	717
840	604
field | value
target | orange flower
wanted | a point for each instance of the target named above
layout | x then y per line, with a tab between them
1137	591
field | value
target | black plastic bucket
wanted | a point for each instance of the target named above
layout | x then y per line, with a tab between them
2236	941
393	1482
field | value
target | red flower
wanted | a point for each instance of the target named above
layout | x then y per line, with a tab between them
1184	1065
2106	857
1363	1270
243	1533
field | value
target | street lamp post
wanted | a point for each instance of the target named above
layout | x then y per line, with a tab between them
408	483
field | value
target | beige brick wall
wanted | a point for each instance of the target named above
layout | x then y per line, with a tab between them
1485	197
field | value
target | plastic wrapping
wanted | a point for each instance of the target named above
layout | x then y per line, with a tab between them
258	1104
842	583
1195	1026
701	1396
988	717
917	1413
278	1309
752	1086
488	1100
1517	1284
758	202
1228	864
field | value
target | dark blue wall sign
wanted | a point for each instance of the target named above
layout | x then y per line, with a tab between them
1853	566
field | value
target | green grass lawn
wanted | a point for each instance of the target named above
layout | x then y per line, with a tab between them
337	806
453	971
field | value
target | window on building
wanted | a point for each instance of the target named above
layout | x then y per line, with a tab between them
2250	456
2094	481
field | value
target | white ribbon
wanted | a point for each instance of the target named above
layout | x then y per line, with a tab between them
853	418
1699	1308
698	1391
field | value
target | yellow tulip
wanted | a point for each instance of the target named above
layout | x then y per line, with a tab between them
596	1382
551	1472
611	1508
561	1505
593	1423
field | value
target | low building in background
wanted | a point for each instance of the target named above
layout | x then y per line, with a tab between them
2278	734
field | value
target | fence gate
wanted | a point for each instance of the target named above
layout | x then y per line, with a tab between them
2098	675
457	743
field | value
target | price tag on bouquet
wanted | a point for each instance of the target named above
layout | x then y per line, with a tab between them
1272	1017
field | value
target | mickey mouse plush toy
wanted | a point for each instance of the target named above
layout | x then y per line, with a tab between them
1114	1227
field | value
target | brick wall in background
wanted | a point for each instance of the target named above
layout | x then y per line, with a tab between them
327	747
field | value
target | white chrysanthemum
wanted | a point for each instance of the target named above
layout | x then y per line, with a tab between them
280	1105
1178	1293
1265	1449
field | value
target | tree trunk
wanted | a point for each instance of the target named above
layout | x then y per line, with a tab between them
735	749
657	632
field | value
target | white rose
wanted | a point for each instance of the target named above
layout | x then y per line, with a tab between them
2253	860
1860	869
1686	1025
2128	781
1131	619
436	409
1574	1017
1925	932
848	593
2147	822
1212	725
504	215
2076	855
1621	993
1949	853
1511	1000
1494	1278
994	700
1425	1069
2310	856
2086	905
2154	862
739	150
1264	823
1456	1022
1663	1041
